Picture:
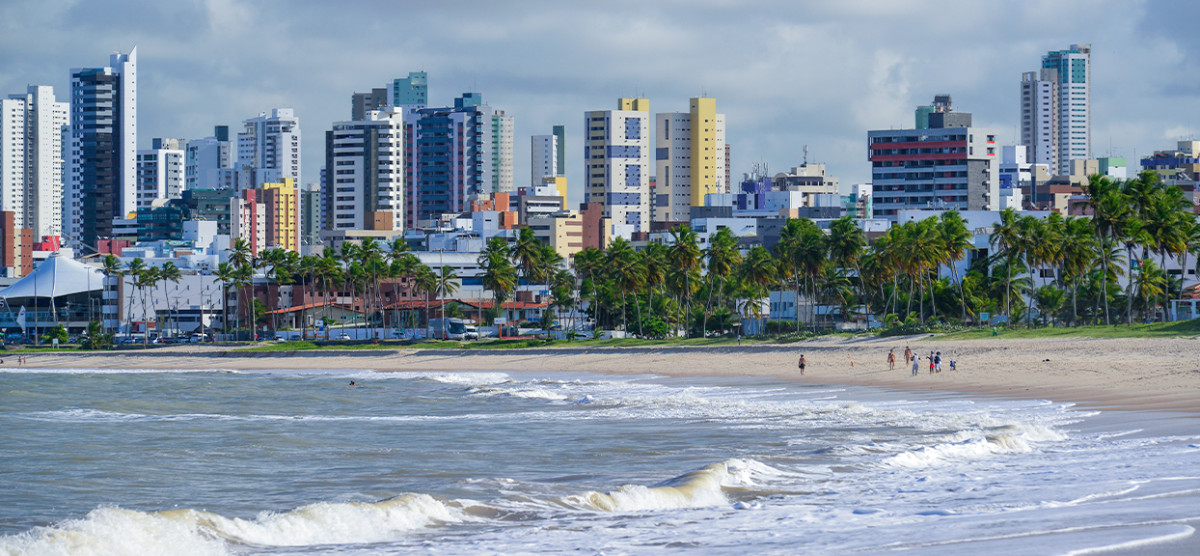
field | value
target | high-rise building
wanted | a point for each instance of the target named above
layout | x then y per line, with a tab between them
451	158
209	162
949	165
617	164
1056	107
269	149
411	92
283	218
361	103
364	161
160	172
560	137
310	214
543	157
502	152
32	126
689	159
101	182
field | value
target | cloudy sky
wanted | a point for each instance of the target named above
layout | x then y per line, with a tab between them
786	73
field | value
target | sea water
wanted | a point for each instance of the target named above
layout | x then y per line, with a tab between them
301	462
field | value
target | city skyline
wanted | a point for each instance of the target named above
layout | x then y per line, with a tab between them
786	76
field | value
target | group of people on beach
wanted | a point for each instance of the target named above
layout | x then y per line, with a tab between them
934	358
20	360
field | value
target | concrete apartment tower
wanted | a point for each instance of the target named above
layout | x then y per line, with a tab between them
543	157
948	165
411	91
101	182
502	152
160	171
32	127
1056	109
209	162
269	149
365	173
451	157
690	159
617	164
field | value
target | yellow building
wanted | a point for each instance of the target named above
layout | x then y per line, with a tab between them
559	183
691	161
283	216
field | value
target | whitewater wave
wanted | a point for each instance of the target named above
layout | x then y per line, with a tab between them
704	487
119	531
975	444
94	371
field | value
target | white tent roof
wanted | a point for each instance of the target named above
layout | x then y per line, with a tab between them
55	277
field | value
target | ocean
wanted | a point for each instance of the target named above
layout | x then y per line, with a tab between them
301	462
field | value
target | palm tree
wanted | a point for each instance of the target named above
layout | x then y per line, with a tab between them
111	267
624	265
169	273
588	264
1109	209
1006	239
722	256
846	243
446	286
526	252
225	274
956	240
426	282
146	279
136	267
685	255
499	274
1078	255
758	271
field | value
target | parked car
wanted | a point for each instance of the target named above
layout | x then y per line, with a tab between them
472	332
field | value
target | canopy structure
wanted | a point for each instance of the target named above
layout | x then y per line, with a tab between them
57	276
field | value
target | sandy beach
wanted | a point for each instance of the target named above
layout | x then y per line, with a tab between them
1122	373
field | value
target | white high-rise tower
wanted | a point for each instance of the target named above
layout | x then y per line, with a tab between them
31	159
1056	109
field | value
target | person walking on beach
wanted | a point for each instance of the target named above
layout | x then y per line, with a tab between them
937	361
803	363
914	366
892	359
907	355
931	362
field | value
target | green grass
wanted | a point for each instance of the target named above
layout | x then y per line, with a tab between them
1182	329
500	344
26	350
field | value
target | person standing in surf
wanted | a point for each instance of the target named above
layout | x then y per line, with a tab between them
803	363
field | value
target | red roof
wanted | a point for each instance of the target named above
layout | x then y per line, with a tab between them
311	306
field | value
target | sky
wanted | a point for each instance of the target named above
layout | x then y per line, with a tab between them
786	74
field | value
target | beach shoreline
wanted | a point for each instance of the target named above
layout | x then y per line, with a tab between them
1161	374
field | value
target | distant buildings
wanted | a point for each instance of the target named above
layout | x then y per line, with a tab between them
364	162
32	126
617	164
452	157
949	165
102	170
411	91
1056	107
689	159
209	162
160	172
543	157
268	149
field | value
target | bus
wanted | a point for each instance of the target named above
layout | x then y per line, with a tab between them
448	329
